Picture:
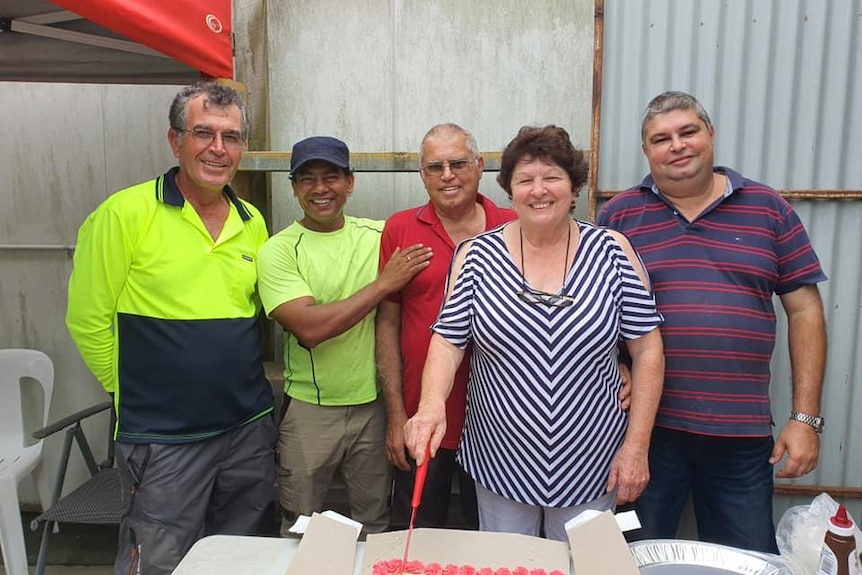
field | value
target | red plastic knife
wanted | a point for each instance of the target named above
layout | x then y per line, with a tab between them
418	485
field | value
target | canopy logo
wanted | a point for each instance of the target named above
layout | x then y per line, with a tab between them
214	24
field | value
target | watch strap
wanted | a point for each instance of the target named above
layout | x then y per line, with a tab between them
814	421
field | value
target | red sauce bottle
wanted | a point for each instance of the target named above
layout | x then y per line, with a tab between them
839	556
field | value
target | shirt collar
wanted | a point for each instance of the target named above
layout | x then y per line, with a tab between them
168	193
428	214
734	181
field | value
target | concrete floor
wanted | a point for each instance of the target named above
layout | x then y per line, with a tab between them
73	544
71	570
74	550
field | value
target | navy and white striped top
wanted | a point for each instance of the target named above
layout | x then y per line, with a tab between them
543	415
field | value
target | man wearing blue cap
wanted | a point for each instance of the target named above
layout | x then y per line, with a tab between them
318	278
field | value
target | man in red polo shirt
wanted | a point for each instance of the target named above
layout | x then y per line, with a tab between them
451	168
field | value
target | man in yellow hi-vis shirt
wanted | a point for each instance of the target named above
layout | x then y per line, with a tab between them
163	309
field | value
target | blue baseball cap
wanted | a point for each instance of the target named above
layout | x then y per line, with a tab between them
324	148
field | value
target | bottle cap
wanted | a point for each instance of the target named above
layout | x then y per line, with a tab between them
840	523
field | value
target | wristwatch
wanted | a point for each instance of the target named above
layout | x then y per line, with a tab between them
816	422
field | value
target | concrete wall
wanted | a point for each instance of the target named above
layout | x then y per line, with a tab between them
379	74
66	147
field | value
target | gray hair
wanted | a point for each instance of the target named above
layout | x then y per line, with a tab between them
670	101
217	95
450	128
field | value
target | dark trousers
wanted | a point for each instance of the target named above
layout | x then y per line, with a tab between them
434	507
731	483
175	494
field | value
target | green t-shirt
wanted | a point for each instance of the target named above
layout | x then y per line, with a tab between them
330	266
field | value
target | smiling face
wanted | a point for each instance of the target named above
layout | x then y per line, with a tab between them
541	192
679	148
449	190
322	189
207	166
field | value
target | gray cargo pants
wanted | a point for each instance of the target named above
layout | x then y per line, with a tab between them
175	494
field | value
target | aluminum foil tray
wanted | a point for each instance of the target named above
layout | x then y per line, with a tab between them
679	557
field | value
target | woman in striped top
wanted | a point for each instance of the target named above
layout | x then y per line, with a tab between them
544	301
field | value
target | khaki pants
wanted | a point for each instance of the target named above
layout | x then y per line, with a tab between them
317	442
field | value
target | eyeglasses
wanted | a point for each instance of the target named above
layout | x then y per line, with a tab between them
206	137
436	169
538	297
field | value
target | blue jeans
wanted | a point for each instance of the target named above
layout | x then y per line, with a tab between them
731	483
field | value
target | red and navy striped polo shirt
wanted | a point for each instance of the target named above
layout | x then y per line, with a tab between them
714	280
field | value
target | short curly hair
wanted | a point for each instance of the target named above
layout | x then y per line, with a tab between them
548	143
217	95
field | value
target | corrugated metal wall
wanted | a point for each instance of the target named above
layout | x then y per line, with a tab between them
65	148
782	81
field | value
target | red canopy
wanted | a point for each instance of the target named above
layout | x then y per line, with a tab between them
195	32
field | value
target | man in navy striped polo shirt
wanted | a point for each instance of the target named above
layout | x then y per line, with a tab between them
717	247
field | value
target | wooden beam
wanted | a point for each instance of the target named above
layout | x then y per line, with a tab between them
361	161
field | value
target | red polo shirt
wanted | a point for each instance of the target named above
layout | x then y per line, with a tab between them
421	299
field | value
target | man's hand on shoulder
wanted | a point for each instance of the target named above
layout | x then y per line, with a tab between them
403	265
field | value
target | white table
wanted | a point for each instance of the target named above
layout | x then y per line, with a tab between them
238	555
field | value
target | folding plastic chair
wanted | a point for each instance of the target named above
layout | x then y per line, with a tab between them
98	500
18	458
